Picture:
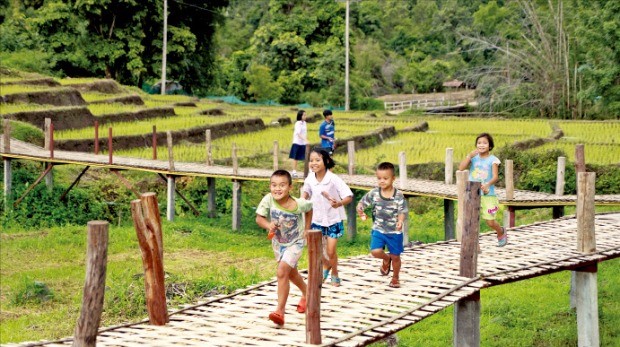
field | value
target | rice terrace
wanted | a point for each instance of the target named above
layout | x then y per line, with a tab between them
129	216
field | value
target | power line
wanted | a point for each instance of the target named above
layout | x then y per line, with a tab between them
197	7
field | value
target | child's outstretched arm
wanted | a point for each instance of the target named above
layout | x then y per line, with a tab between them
485	187
308	219
265	224
400	221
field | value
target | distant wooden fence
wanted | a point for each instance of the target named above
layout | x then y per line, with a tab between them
422	103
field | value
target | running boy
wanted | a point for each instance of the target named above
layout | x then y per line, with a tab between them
328	194
389	209
327	132
283	217
484	168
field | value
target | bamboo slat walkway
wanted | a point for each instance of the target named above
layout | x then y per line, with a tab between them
364	309
417	187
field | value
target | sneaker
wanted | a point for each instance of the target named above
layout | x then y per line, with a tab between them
294	174
503	240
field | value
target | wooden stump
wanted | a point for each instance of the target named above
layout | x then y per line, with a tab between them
313	294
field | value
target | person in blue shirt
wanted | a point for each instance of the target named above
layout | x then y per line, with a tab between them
484	168
327	133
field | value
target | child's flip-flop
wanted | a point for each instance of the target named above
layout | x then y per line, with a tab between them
276	318
301	307
394	283
382	269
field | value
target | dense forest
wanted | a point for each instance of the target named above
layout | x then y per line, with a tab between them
550	58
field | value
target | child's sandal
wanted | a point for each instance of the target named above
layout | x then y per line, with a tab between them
394	283
335	281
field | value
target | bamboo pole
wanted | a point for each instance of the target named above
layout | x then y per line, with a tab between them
448	205
147	223
462	176
586	291
313	293
94	288
351	156
208	147
275	155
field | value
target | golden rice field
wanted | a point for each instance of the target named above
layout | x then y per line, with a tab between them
22	88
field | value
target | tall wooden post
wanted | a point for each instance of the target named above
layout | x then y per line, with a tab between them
147	222
586	278
558	211
580	166
236	191
8	175
462	176
94	288
49	178
171	186
448	205
467	310
275	155
313	293
351	156
402	169
509	218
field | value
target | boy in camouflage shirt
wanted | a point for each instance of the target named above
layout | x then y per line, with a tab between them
389	209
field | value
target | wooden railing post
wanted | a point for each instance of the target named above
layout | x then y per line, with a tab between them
94	288
462	176
586	278
210	180
110	145
313	293
306	167
580	166
171	179
147	222
6	135
448	205
509	216
275	155
558	211
467	310
351	156
402	168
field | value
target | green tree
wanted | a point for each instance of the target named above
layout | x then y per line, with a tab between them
261	84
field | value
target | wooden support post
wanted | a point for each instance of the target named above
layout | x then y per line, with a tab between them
580	166
125	181
170	154
154	142
110	150
51	138
49	178
351	155
462	176
94	288
307	160
235	161
558	211
147	222
62	197
211	197
31	187
170	197
467	310
186	200
208	147
448	205
8	175
402	169
236	205
509	216
313	293
96	137
276	149
351	220
586	279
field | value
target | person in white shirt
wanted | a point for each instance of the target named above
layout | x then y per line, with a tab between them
300	140
329	194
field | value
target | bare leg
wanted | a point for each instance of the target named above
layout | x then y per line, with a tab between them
395	267
297	280
495	226
380	253
333	256
284	274
294	165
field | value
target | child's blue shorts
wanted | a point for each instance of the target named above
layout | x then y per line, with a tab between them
394	242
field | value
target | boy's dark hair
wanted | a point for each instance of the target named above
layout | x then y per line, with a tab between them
300	114
327	113
327	160
387	166
283	173
489	138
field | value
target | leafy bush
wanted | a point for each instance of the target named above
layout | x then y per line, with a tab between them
25	132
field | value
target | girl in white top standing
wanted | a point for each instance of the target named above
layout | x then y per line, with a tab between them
329	194
300	140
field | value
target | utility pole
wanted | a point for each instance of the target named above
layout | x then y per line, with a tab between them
346	66
164	50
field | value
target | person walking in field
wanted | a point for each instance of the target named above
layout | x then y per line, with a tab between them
327	133
328	194
300	140
285	218
484	168
389	210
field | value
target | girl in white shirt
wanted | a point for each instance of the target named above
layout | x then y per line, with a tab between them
300	140
328	194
